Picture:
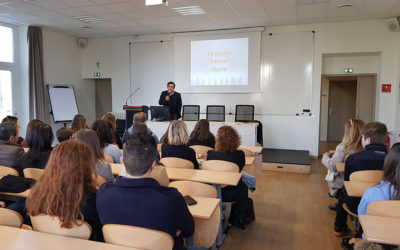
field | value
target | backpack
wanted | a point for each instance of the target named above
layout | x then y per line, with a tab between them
241	220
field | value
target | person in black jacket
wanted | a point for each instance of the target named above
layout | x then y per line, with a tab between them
173	100
177	144
201	135
226	149
372	158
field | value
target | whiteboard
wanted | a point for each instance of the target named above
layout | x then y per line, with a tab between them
287	67
63	102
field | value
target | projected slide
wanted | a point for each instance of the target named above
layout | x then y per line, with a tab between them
220	62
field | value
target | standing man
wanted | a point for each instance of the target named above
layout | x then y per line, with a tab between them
173	100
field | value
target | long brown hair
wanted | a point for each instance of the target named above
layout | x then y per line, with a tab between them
69	173
89	137
228	139
352	135
111	118
79	122
201	131
391	172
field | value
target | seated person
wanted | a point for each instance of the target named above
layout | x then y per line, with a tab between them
79	122
201	135
111	118
176	146
14	119
226	149
106	136
90	138
64	134
137	199
70	163
373	136
139	117
9	150
32	123
39	141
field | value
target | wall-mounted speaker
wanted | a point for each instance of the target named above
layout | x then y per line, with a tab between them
82	43
394	24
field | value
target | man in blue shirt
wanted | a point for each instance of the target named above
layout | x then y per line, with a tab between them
137	118
137	199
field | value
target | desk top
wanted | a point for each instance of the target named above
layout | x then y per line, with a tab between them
204	176
340	167
379	229
254	149
204	208
16	239
22	194
357	188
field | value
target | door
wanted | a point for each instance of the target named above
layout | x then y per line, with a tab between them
342	106
103	97
366	98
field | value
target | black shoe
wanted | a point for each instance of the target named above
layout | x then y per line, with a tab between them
346	245
333	196
333	207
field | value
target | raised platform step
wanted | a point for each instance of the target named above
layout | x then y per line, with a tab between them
284	160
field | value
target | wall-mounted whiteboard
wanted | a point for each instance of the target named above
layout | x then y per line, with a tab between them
63	102
287	68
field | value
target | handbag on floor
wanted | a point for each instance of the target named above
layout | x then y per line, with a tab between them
241	220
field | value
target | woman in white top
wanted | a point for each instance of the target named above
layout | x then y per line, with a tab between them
351	143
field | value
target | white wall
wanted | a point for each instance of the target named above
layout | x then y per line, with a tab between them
291	132
62	66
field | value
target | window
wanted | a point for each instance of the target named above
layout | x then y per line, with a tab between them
6	67
5	93
6	44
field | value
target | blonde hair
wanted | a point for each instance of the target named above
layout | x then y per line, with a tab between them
352	135
177	133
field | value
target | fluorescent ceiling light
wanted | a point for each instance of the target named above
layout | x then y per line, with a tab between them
189	10
90	19
156	2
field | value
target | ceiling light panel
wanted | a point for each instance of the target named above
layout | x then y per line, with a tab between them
89	19
189	10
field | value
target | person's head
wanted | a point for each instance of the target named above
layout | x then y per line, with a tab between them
139	154
9	131
177	133
171	87
12	119
228	139
64	134
89	137
374	133
79	122
201	131
139	117
352	134
391	172
104	131
111	118
395	145
40	138
32	123
139	128
68	174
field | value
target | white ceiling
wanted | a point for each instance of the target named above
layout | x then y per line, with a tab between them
132	17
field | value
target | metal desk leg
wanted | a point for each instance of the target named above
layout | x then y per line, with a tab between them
221	236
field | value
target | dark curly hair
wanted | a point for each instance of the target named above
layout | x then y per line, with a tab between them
104	131
228	139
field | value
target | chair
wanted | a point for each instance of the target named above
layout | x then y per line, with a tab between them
174	162
160	174
218	165
191	112
244	113
51	225
200	149
6	171
137	237
215	113
206	230
373	176
34	173
10	218
388	208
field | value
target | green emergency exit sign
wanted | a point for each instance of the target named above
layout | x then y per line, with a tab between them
348	70
97	74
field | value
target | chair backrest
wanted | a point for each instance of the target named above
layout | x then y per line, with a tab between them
200	149
108	158
6	171
194	188
191	112
244	113
159	145
388	208
137	237
34	173
215	113
10	218
160	174
174	162
51	225
206	231
218	165
247	152
373	176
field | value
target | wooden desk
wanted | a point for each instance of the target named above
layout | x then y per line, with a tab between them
357	188
340	167
204	176
204	208
22	194
17	239
254	149
115	168
379	229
